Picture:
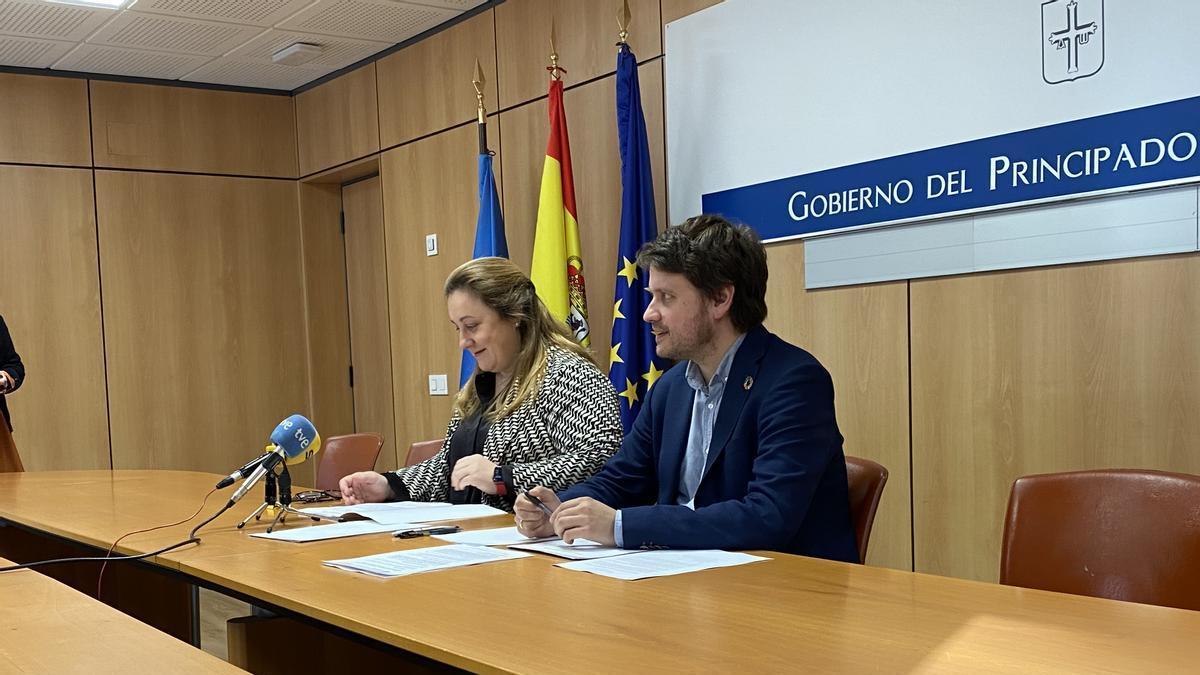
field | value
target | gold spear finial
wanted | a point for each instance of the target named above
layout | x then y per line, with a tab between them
478	82
623	18
555	71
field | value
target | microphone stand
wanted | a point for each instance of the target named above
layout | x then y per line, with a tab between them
279	497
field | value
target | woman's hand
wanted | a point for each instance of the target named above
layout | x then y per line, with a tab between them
364	487
474	471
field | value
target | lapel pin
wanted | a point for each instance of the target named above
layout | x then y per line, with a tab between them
747	383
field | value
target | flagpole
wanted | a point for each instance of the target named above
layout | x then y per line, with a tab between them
478	83
624	16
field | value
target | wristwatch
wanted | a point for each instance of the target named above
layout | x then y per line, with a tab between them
498	479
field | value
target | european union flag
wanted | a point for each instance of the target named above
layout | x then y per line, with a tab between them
489	237
633	367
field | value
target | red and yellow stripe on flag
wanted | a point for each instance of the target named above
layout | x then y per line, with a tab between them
557	268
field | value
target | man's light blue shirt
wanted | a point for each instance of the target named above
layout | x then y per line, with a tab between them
706	403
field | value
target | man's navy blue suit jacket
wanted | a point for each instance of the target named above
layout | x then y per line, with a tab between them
775	478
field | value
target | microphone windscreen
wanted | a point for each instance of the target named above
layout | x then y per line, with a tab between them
297	437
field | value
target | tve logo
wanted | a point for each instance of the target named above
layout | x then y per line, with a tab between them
1072	39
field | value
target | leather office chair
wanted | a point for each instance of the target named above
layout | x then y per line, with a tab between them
866	480
422	450
344	455
1119	534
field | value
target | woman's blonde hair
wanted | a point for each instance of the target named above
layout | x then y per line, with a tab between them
503	287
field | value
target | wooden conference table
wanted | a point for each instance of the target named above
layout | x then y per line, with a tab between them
526	616
47	627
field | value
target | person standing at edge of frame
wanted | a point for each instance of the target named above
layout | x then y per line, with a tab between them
12	375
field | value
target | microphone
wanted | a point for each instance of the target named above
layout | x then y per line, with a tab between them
294	440
244	471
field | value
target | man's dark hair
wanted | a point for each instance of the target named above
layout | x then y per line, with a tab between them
711	253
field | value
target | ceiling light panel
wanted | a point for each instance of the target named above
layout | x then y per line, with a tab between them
336	52
129	62
257	13
382	20
172	34
49	20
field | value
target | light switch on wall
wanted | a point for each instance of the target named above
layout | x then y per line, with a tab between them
437	385
431	244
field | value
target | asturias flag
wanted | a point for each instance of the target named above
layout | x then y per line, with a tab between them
557	268
633	367
489	237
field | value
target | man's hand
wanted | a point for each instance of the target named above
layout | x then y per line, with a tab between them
532	521
473	471
6	382
585	518
364	487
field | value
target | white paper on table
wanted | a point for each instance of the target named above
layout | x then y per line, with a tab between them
322	532
643	565
581	549
403	513
413	561
501	536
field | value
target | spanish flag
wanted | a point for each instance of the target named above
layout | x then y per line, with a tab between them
557	269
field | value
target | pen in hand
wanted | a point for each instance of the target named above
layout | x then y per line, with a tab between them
538	503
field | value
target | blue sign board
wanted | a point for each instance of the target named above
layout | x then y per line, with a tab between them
1144	147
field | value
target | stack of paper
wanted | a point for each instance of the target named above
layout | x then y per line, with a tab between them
501	536
403	513
413	561
580	549
660	563
334	531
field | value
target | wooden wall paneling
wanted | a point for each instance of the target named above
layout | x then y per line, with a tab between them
860	334
370	333
596	159
44	120
585	34
428	187
332	403
426	87
204	313
1044	370
50	299
139	126
338	121
677	9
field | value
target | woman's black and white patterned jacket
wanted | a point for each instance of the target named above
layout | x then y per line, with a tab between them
558	437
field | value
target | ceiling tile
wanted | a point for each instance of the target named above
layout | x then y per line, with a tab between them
31	53
172	34
257	13
459	5
384	20
129	62
337	52
255	74
49	20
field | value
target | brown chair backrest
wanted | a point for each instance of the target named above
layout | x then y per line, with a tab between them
866	480
422	450
1120	534
344	455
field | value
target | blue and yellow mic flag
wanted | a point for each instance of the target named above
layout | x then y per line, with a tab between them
489	237
632	365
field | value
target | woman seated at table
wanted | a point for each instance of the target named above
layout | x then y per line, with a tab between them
537	410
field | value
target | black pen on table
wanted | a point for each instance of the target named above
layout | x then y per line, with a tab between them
538	503
426	530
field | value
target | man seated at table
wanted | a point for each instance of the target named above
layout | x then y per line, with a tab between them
736	446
